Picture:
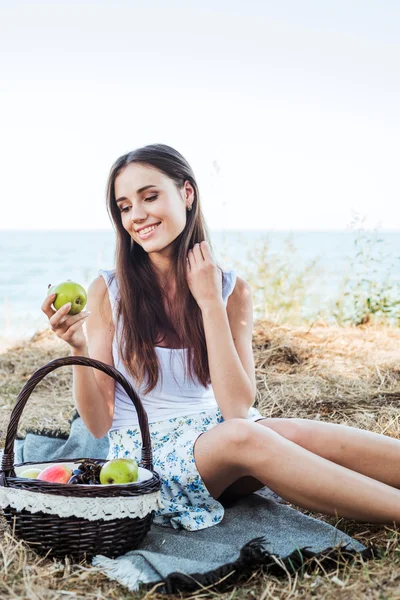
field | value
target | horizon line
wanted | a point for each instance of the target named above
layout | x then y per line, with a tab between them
272	230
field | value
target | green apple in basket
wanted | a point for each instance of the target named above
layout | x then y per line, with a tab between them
30	473
68	291
119	470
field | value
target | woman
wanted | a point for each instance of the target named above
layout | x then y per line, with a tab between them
172	321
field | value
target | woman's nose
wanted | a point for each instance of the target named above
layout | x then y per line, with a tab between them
138	213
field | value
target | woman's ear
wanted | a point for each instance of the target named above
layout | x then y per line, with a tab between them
189	193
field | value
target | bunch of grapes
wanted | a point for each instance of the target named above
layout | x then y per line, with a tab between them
88	473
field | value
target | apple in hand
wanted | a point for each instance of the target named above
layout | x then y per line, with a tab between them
69	291
30	473
119	470
56	474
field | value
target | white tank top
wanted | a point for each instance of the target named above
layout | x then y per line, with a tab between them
173	396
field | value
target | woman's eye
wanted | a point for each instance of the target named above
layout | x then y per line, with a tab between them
150	199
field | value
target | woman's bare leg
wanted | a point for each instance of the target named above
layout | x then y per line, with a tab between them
238	448
372	454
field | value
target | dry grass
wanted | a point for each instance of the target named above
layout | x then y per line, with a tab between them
343	375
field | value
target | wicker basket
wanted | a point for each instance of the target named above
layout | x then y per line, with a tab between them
78	537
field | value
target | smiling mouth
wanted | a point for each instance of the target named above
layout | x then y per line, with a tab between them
145	233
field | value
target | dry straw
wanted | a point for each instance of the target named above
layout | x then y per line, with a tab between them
335	374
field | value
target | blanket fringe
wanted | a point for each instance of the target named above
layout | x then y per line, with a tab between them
254	555
44	431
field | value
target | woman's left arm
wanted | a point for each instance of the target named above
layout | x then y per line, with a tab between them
228	333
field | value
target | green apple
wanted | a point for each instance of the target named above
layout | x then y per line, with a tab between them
119	470
69	291
30	473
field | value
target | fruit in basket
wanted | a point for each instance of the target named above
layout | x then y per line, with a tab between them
30	473
87	472
119	470
69	291
55	474
74	479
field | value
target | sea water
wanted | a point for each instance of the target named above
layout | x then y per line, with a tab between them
31	260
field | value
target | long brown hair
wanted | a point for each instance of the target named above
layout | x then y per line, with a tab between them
140	307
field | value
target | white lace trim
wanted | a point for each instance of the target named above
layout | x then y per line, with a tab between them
92	509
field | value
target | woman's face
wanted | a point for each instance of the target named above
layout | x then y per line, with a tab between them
160	204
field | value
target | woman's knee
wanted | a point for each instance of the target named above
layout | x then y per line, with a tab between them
237	432
245	438
292	429
246	443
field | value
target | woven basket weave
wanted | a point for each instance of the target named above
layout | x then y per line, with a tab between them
77	537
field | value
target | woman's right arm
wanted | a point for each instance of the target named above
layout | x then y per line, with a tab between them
93	390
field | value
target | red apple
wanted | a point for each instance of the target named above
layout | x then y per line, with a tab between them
56	474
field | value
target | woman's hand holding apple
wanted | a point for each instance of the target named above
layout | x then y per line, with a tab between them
68	328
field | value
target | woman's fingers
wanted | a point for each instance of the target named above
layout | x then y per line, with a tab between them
200	252
198	257
205	250
57	319
194	255
46	306
67	328
72	323
78	323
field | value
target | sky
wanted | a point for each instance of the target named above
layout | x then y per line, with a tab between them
288	112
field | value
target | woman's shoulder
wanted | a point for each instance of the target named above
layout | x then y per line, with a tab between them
240	300
107	274
99	301
241	287
107	277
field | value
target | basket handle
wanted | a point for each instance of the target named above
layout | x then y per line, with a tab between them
7	463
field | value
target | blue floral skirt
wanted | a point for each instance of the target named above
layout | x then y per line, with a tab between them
187	502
